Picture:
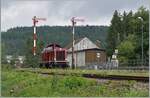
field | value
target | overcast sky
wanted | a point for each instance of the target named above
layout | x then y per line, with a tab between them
59	12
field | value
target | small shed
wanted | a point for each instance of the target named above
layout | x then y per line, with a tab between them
19	61
86	53
9	58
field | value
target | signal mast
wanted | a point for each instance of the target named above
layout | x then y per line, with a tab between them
74	20
35	21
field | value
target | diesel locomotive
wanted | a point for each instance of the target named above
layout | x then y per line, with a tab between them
54	56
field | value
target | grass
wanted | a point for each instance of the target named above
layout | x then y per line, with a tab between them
99	72
25	84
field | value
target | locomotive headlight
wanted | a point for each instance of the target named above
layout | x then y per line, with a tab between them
66	59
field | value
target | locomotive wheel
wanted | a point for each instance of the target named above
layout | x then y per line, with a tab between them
53	65
46	65
41	65
50	65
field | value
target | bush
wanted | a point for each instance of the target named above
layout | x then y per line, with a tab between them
74	82
7	66
54	82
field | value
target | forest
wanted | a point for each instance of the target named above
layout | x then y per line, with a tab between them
14	40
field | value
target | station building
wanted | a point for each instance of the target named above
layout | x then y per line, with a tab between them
86	52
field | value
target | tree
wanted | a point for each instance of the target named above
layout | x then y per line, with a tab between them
130	25
113	38
124	26
126	48
31	60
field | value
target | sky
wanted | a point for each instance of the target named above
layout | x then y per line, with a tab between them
59	12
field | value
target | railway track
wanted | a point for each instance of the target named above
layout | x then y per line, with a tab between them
110	77
118	77
98	76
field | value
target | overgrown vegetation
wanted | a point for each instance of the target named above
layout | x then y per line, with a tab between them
27	84
31	60
79	72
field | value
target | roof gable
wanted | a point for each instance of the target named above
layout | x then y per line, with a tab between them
76	41
81	44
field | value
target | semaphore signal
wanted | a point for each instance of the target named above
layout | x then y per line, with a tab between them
35	21
74	21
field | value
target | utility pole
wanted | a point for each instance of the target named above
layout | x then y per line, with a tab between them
142	37
35	21
74	21
118	38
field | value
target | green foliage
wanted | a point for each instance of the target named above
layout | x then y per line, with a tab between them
79	72
6	67
122	27
54	82
74	82
28	84
114	30
31	60
127	48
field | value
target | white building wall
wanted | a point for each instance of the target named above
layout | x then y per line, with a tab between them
69	58
79	59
